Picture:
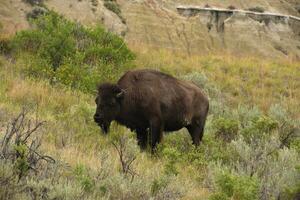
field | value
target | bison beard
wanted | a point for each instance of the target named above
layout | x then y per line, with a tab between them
150	102
104	127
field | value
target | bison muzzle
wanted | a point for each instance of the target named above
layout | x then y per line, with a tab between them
150	102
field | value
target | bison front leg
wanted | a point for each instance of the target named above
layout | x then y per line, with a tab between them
196	130
142	138
156	130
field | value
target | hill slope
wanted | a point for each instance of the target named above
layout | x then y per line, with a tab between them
250	149
157	24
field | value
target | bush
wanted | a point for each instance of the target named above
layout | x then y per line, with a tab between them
5	47
4	42
113	6
94	3
158	185
218	196
231	7
236	187
292	192
173	156
297	7
288	128
127	149
34	2
202	81
257	9
207	6
69	53
274	167
24	170
216	97
226	129
36	12
83	178
259	128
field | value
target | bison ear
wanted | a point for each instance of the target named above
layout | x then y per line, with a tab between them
120	95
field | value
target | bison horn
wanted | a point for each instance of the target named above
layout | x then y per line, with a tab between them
120	94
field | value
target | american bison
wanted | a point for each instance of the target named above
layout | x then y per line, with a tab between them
149	101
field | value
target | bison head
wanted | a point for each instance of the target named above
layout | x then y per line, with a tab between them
108	105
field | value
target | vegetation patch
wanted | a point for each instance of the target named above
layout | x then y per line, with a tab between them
231	7
113	6
36	12
257	9
298	8
69	53
235	187
94	3
34	2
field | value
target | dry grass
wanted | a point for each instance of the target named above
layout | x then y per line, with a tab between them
71	135
244	80
74	138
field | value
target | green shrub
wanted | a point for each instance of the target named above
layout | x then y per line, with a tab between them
295	144
288	128
246	114
297	7
218	196
202	81
84	178
292	192
257	9
264	159
173	156
69	53
21	164
259	128
5	46
4	42
231	7
158	184
236	187
36	12
113	6
34	2
226	129
265	124
94	3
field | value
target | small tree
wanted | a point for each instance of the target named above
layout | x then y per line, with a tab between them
126	150
20	146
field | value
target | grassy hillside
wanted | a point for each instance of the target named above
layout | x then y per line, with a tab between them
251	146
243	80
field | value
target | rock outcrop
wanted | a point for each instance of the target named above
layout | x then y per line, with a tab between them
268	33
219	17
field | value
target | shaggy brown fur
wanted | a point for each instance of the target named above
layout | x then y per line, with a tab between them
148	99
